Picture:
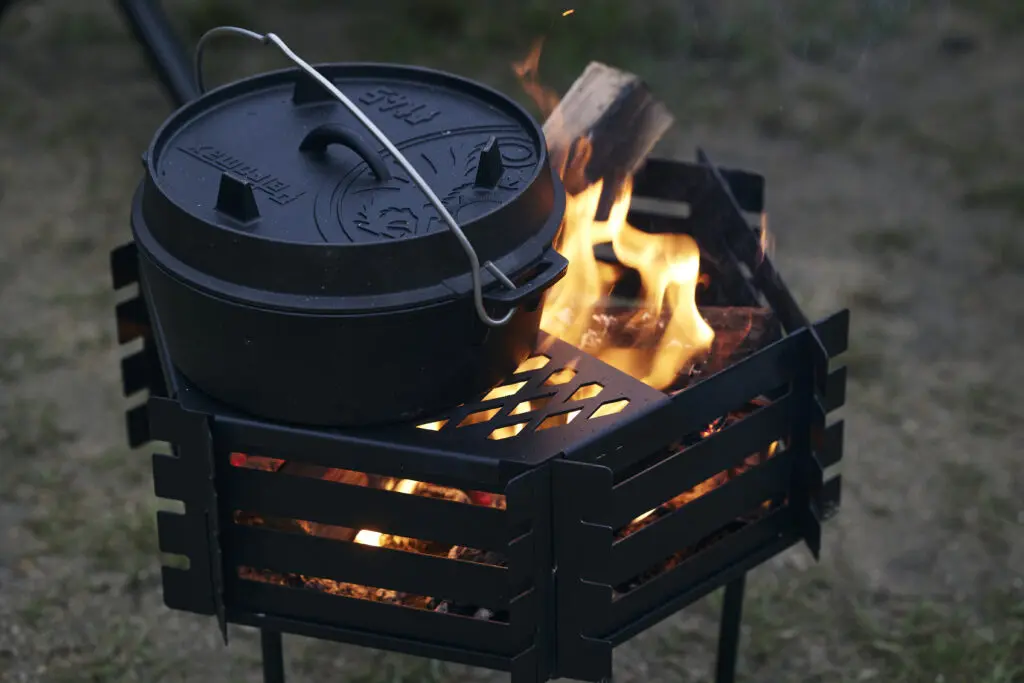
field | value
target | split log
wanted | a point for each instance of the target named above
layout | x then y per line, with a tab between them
338	476
623	121
739	332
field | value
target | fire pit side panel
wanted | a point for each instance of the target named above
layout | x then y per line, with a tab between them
743	510
185	535
300	563
187	475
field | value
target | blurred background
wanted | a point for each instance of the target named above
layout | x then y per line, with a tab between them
890	132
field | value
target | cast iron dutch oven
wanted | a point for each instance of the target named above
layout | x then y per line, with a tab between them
298	273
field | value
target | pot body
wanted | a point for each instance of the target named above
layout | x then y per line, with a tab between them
334	370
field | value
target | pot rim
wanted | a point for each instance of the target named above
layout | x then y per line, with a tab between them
515	264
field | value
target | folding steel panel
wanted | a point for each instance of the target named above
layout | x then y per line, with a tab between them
275	494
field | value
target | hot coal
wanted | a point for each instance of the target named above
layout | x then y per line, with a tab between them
739	333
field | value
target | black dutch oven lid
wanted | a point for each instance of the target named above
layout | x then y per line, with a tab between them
269	190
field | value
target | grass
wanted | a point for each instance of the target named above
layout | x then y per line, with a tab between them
83	299
20	355
29	429
880	241
1006	196
864	364
874	299
975	510
1005	249
929	641
24	355
1006	16
816	115
876	637
839	31
118	535
199	16
967	156
128	650
990	407
443	32
76	27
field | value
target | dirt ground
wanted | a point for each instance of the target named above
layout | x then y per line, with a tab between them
891	135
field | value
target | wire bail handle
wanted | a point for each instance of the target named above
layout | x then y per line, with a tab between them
467	247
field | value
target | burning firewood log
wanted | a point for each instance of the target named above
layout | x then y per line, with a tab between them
621	118
739	332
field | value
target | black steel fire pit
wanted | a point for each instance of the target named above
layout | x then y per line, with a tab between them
562	536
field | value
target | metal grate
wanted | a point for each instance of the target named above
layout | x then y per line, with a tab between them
556	397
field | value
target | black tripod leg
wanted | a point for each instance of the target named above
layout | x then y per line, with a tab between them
163	50
729	632
273	656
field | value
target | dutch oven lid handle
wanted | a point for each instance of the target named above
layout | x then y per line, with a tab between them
320	138
467	246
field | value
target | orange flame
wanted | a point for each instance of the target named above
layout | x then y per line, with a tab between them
528	72
668	264
766	240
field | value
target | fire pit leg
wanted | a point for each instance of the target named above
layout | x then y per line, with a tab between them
165	53
729	631
273	657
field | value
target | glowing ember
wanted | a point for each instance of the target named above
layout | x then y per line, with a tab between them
367	537
668	264
703	487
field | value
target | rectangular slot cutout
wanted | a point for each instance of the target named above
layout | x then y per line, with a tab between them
387	551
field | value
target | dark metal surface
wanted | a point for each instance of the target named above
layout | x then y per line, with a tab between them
273	656
729	630
163	50
567	488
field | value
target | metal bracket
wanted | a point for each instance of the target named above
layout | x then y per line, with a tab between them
196	533
582	488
